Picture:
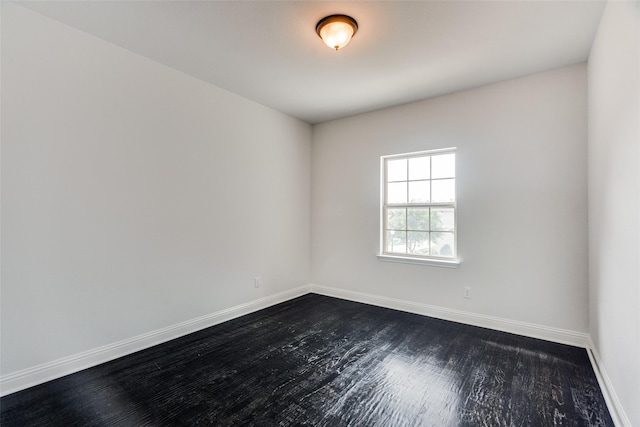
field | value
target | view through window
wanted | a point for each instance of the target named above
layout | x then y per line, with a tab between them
419	205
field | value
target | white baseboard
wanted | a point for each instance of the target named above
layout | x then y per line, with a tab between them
563	336
39	374
616	410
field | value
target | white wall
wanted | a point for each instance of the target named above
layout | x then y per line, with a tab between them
614	200
134	196
522	199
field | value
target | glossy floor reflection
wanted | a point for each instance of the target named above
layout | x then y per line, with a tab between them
322	361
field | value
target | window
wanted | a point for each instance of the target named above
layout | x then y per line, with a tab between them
419	206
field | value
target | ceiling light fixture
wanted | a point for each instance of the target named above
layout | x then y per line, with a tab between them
336	30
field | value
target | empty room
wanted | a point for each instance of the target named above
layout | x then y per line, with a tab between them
278	213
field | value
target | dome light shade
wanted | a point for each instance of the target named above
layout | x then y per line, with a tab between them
336	30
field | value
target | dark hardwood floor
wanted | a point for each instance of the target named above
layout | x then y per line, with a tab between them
321	361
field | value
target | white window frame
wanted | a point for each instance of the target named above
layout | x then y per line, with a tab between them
440	261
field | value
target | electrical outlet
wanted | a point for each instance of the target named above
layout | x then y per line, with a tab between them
466	292
256	282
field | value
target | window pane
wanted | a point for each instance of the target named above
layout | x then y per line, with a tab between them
443	166
397	170
443	190
442	244
419	192
397	219
397	192
397	241
419	168
418	219
418	242
442	219
419	213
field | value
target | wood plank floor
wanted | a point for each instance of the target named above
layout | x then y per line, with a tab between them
321	361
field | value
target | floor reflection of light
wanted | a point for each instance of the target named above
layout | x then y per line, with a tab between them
401	391
414	386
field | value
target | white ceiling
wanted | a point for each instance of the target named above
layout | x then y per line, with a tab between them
268	51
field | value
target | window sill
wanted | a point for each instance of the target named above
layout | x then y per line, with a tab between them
453	263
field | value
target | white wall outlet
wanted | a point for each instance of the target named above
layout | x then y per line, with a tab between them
466	292
257	282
